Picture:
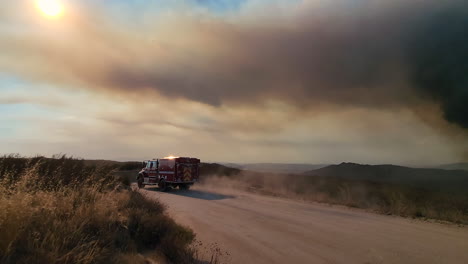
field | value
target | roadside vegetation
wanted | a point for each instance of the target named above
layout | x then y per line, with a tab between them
386	198
64	210
392	190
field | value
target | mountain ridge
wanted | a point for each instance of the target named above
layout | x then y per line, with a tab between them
427	178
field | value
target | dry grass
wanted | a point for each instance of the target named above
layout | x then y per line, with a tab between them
63	211
384	198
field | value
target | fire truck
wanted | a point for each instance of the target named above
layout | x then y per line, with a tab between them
170	172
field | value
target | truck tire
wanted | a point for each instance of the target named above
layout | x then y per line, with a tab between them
162	185
140	183
184	186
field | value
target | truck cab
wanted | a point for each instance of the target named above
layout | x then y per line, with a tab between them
170	172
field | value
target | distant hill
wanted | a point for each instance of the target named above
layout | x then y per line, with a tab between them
214	169
430	179
449	178
276	167
454	166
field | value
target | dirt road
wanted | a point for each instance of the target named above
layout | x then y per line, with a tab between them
261	229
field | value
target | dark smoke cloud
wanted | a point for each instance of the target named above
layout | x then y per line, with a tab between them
440	61
370	53
369	56
350	59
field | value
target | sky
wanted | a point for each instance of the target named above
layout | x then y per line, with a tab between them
246	81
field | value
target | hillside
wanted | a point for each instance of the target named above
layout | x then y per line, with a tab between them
214	169
276	167
388	189
455	166
430	179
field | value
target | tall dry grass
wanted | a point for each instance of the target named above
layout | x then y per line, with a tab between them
392	199
63	211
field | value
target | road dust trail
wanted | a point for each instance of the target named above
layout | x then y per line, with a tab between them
261	229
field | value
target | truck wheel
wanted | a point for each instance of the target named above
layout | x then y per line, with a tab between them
184	186
140	183
162	185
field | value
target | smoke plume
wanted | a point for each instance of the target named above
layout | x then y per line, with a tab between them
439	61
371	54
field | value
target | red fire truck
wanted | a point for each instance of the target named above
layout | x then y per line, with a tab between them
169	172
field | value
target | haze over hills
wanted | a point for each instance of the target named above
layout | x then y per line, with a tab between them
455	166
304	167
425	178
276	167
447	178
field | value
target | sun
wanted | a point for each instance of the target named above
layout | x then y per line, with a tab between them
51	8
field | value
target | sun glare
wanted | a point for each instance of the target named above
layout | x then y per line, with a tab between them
51	8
